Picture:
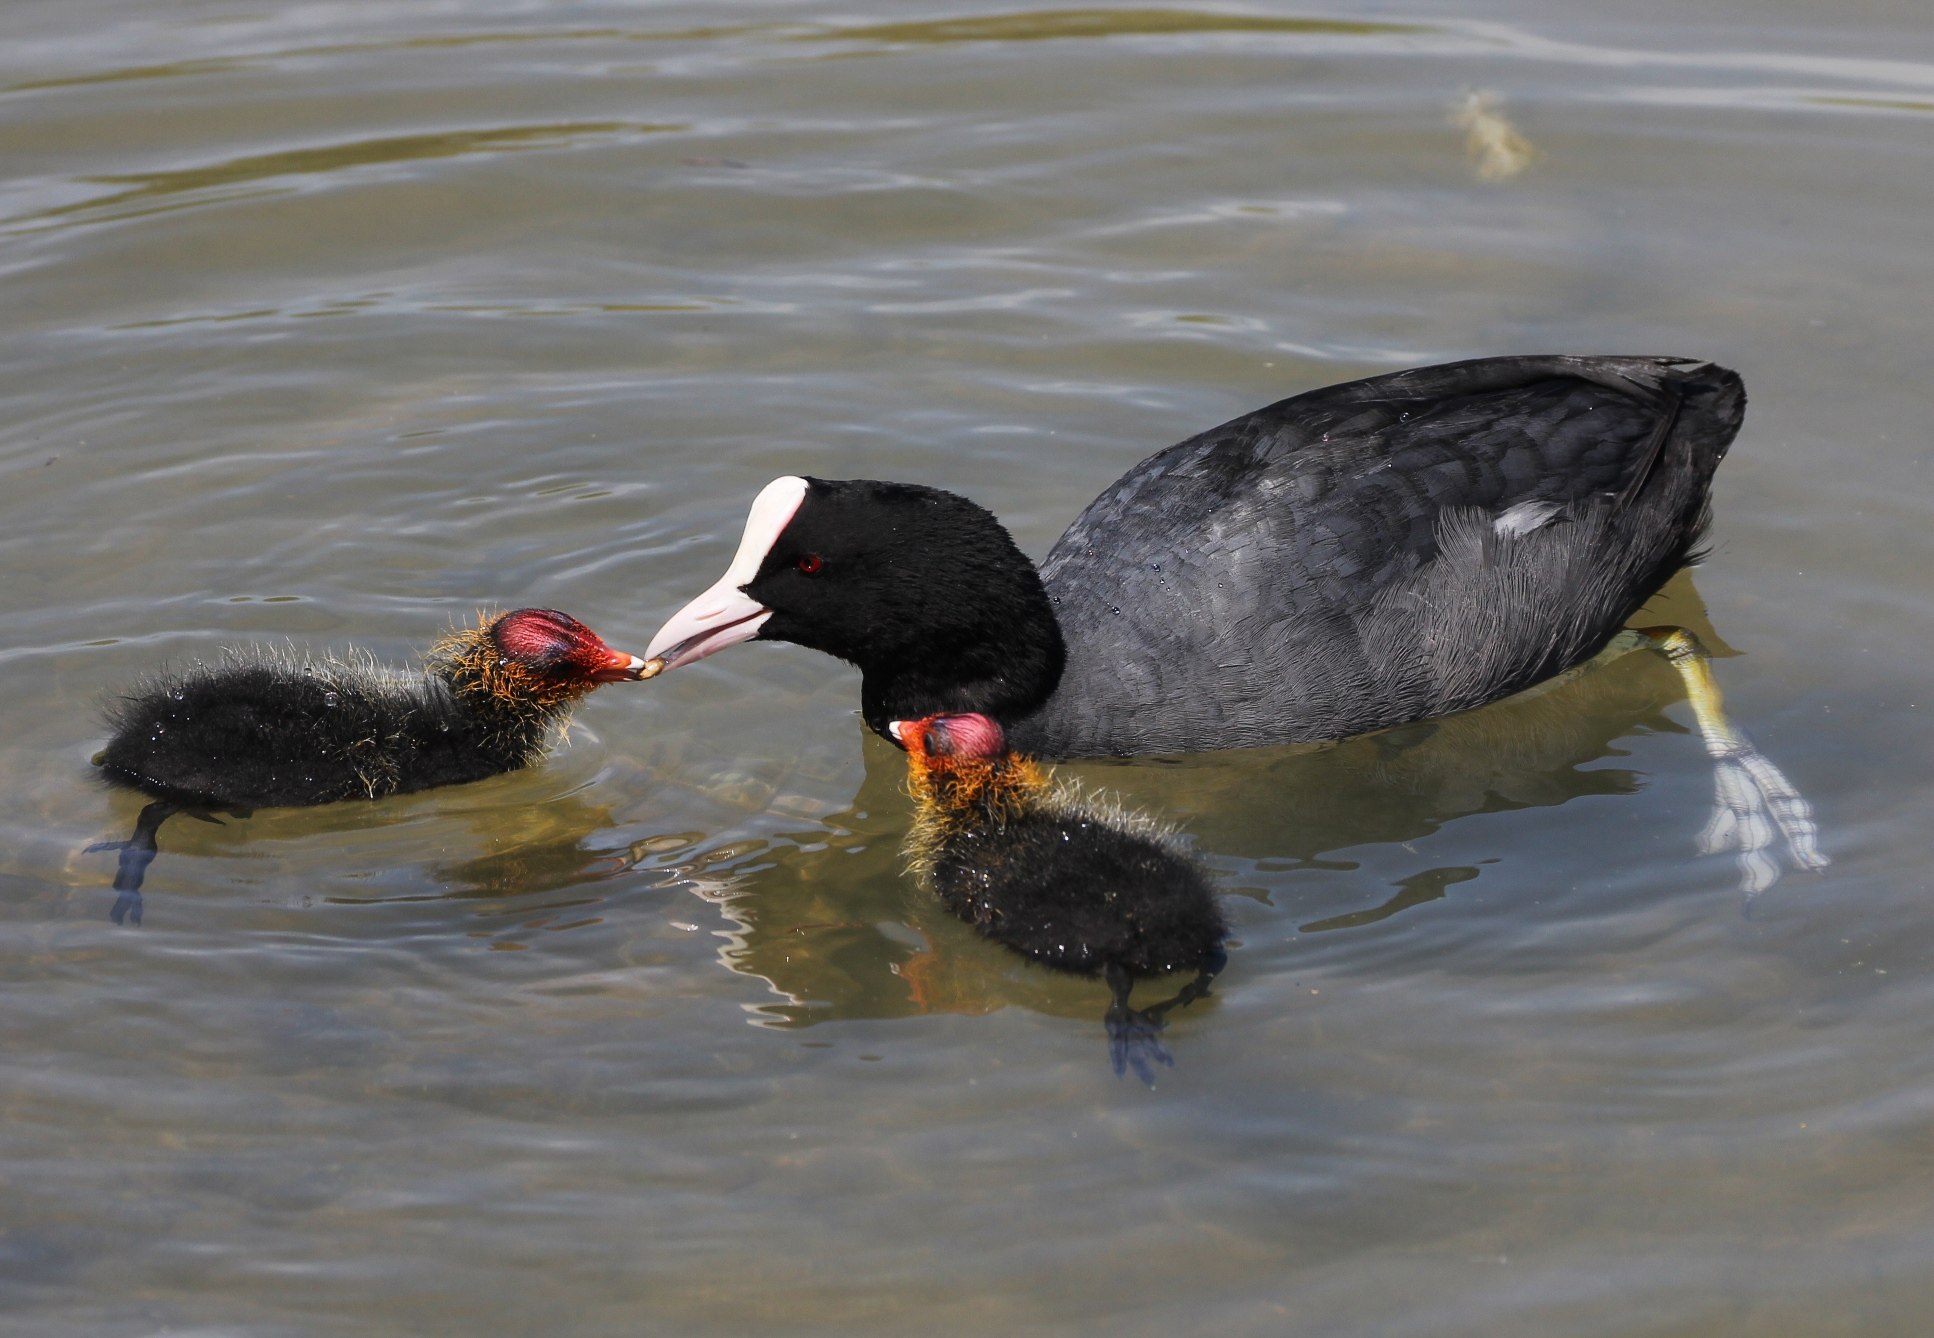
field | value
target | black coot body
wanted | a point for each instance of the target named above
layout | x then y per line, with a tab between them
267	729
1349	559
1398	549
1069	883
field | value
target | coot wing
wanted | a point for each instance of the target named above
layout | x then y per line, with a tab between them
1378	551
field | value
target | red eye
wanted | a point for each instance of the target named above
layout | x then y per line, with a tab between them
809	564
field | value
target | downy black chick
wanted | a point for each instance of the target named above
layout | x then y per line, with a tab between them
271	728
1075	885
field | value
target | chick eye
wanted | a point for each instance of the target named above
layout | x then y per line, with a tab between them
809	564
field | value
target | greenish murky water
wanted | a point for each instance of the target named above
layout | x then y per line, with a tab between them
335	321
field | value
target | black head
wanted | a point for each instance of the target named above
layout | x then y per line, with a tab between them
922	589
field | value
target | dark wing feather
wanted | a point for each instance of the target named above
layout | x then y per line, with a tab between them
1330	564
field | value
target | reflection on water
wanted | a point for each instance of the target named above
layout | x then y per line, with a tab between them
147	191
1046	25
823	918
1495	1052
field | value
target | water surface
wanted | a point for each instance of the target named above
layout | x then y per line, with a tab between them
331	322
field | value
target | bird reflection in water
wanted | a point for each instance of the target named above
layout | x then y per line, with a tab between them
822	915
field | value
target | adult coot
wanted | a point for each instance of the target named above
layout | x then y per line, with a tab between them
268	728
1352	558
1070	883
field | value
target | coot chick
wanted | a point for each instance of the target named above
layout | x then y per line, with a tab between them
273	728
1072	884
1353	558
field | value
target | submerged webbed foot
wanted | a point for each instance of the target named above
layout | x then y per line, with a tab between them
1752	802
1752	799
135	859
1134	1042
137	853
1134	1035
127	908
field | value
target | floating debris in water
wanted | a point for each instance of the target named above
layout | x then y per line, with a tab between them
1496	149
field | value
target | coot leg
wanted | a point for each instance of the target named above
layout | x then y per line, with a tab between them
1205	974
137	853
1752	798
1133	1040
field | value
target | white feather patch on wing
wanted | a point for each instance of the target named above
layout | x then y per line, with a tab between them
1524	517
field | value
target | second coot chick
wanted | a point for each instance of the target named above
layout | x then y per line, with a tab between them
268	728
1074	885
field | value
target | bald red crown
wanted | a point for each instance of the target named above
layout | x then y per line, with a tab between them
967	734
559	644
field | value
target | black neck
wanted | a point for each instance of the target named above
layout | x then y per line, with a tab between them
1006	678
